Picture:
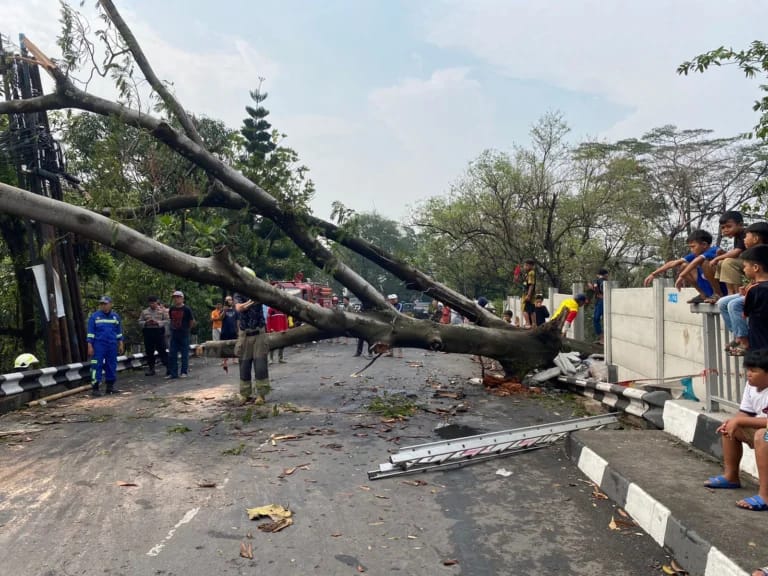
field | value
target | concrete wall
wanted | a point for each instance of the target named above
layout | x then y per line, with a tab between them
633	333
655	336
636	347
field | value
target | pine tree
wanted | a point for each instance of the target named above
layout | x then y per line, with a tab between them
256	129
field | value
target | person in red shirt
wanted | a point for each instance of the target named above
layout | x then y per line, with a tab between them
277	321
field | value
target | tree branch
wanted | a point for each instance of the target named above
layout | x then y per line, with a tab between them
141	60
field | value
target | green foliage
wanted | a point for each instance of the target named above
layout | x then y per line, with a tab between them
624	205
388	235
178	429
256	128
753	62
236	451
392	406
97	264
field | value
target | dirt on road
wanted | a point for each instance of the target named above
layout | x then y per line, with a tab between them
157	480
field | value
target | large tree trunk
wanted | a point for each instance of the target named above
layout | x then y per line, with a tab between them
517	350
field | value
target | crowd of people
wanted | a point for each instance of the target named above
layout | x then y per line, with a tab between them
736	281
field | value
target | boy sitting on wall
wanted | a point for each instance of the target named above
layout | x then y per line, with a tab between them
726	266
701	250
747	427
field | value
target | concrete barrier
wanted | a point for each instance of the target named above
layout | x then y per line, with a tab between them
33	380
648	405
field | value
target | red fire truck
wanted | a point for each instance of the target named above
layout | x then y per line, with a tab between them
310	291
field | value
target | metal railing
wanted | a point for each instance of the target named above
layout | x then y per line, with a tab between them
723	378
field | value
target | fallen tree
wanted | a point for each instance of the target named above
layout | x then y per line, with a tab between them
517	350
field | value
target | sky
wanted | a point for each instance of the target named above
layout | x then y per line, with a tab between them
387	101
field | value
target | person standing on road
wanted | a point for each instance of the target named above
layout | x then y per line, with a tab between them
216	315
182	320
153	321
397	305
228	326
598	287
105	341
277	321
252	348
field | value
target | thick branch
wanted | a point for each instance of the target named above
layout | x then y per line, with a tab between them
414	278
523	349
251	192
53	101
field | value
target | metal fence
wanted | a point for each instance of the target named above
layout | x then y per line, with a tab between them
722	373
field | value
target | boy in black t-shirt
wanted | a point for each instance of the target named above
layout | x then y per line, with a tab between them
755	262
539	310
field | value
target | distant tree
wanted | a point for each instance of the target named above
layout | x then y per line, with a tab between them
689	179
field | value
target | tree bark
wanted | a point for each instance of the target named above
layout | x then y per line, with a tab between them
517	350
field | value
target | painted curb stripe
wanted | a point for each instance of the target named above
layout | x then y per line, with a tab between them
698	556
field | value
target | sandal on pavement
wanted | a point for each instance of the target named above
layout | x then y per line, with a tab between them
721	482
754	503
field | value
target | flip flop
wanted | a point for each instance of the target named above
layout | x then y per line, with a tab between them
737	350
698	299
721	482
754	503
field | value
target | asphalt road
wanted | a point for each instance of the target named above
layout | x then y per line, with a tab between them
194	463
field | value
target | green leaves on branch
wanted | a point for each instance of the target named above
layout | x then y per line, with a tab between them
753	62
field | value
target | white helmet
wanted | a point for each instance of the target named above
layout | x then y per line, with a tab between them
25	360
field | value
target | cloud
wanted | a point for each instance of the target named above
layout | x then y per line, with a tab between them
435	116
214	82
627	52
412	141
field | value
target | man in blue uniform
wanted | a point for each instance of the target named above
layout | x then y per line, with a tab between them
105	340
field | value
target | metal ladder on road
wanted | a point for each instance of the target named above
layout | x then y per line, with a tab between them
472	449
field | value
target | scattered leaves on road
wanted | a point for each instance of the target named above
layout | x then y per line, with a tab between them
414	482
275	526
246	550
452	562
178	429
392	406
236	451
273	511
289	471
621	523
206	484
125	484
448	394
275	438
